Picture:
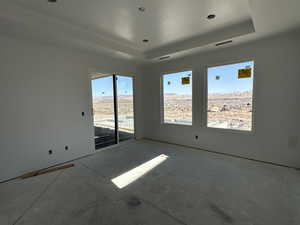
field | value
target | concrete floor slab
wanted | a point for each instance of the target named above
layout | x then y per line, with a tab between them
190	187
115	161
17	196
79	197
199	186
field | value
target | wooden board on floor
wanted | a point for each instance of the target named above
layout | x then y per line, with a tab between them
40	172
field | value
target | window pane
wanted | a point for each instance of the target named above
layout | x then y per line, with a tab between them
230	92
103	110
125	107
177	98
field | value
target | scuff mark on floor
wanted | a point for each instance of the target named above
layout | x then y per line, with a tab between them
134	201
221	213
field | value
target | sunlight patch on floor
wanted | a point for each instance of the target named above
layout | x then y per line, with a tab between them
132	175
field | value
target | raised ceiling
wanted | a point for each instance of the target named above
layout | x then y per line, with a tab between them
162	22
171	26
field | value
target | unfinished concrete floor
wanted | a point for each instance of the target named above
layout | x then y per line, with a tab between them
190	187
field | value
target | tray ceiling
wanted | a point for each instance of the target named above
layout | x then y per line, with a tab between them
171	26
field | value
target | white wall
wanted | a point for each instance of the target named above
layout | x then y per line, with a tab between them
277	74
43	90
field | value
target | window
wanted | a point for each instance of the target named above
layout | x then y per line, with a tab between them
230	96
177	98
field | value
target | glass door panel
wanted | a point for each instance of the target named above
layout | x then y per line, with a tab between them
125	107
103	111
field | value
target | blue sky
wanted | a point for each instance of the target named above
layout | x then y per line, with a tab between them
172	83
228	81
104	86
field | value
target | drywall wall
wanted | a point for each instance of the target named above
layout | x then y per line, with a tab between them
277	74
43	91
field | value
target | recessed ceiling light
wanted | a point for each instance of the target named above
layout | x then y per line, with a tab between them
145	40
142	9
211	16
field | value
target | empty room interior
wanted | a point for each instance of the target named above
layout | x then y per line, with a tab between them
139	112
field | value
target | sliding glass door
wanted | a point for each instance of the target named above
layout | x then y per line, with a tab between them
113	111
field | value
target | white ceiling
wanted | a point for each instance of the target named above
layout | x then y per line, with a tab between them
171	26
163	21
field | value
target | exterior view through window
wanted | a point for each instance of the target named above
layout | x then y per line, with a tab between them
177	98
125	106
113	109
103	111
230	96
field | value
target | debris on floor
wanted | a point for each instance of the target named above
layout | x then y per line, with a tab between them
49	170
134	201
